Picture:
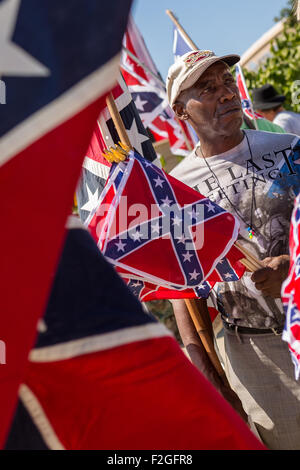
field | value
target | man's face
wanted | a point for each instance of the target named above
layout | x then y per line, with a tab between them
212	104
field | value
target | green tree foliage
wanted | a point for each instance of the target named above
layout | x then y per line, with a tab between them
282	68
288	12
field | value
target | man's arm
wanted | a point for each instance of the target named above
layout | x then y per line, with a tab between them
199	356
269	279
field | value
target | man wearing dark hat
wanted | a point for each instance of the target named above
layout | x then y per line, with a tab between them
255	176
269	104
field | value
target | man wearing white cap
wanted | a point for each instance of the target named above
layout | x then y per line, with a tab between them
255	176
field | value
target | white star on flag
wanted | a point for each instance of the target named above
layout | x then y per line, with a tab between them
158	182
91	204
194	275
176	220
155	228
14	60
139	103
187	256
210	207
166	201
136	284
193	214
136	138
120	245
228	275
136	236
182	239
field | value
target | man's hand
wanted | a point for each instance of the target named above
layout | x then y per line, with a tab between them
269	279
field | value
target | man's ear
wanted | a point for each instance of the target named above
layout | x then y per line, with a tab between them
180	111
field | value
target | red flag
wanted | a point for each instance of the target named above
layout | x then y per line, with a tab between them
56	80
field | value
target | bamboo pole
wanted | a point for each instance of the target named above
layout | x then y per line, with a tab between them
181	29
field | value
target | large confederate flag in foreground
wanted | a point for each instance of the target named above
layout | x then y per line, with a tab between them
105	375
58	60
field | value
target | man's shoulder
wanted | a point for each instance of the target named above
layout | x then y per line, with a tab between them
270	138
286	116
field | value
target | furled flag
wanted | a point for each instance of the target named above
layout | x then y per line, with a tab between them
291	292
95	168
149	94
244	94
105	375
180	47
58	60
153	227
291	287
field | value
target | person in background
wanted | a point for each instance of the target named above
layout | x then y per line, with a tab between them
269	104
262	125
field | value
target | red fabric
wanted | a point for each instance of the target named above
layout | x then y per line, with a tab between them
37	186
144	395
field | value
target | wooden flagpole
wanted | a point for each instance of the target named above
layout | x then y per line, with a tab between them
183	32
117	120
193	46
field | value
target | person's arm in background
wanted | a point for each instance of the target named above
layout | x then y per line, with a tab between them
199	356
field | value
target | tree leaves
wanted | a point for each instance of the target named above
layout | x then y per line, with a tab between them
282	67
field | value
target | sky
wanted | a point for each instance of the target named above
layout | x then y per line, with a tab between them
224	26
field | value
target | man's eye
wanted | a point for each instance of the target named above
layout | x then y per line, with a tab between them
208	89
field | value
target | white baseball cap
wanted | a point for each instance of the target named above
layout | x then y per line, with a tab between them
188	69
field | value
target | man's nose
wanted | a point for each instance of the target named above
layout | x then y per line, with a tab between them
226	94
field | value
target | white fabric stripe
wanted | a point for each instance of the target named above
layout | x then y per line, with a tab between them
96	343
97	168
63	108
39	418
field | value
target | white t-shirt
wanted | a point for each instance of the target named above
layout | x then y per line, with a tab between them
289	121
275	169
